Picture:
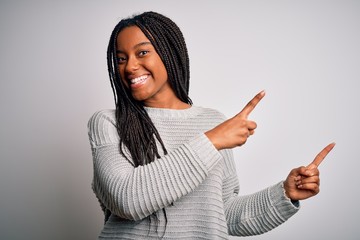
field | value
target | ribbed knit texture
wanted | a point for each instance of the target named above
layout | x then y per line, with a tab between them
196	184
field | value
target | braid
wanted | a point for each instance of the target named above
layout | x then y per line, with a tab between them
136	131
169	42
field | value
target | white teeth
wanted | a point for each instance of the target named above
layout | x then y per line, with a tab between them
139	79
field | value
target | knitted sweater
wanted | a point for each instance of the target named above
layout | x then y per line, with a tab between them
189	193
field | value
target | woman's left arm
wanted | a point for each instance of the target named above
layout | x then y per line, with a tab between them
256	213
263	211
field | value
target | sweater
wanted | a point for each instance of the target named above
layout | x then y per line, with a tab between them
192	192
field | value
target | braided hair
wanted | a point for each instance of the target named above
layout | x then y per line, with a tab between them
136	131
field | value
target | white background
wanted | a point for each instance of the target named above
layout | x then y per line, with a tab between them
53	73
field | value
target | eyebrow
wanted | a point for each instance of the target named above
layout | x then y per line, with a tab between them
136	46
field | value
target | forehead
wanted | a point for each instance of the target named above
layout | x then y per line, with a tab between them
129	37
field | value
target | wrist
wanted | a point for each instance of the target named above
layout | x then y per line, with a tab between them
212	139
287	191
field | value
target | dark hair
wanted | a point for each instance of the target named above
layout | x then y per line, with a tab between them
136	131
135	128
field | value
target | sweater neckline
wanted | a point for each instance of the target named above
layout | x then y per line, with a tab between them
172	113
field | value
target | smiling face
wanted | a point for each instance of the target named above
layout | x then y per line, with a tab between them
142	69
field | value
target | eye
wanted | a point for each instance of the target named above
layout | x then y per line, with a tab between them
143	53
121	60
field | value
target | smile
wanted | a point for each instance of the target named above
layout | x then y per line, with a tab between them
139	80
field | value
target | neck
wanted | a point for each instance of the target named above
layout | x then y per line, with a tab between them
169	103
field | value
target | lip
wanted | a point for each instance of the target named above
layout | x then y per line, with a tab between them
136	82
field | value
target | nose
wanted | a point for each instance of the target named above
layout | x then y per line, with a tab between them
132	65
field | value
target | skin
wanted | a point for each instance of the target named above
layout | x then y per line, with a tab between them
304	182
138	57
301	183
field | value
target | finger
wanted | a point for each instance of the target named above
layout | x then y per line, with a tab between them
307	180
296	172
312	172
251	105
251	125
311	187
308	172
320	157
301	170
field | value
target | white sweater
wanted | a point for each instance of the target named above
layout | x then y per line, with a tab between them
196	184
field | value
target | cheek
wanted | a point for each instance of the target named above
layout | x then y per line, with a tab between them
161	70
121	71
122	75
164	72
156	64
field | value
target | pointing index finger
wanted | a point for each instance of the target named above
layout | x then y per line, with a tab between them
252	104
320	157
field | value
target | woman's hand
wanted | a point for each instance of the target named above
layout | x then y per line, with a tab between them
304	182
235	131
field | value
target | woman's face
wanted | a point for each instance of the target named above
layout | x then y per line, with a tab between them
142	70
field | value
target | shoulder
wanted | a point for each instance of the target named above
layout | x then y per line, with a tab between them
102	128
106	115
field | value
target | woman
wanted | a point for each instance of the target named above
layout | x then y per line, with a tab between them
163	168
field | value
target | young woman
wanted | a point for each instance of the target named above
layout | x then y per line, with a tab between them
164	168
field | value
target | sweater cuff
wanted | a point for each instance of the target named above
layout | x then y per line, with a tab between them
281	202
205	150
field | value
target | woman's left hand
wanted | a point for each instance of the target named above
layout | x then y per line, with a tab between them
304	182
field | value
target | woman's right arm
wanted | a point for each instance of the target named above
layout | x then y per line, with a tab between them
135	193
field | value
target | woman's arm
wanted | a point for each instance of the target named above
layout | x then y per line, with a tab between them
256	213
135	193
260	212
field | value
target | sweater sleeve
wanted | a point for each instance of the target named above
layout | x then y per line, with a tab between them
256	213
135	193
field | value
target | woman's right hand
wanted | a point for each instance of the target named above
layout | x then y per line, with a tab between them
235	131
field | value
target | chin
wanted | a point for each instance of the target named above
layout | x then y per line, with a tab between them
139	98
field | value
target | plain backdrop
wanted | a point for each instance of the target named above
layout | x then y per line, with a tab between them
53	73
